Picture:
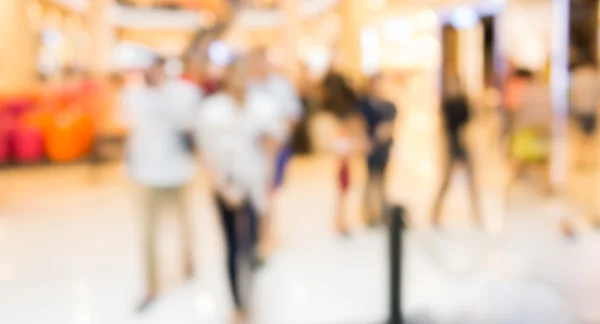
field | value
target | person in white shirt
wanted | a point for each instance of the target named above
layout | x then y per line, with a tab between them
158	159
289	112
288	103
239	134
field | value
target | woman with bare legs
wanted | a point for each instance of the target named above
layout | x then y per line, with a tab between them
456	113
339	100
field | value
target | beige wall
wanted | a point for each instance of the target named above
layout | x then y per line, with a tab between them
354	16
102	36
17	48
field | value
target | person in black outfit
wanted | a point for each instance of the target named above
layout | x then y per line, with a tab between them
379	115
456	114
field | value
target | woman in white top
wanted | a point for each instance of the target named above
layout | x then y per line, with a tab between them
157	158
239	133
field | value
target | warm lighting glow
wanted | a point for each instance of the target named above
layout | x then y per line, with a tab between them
72	25
430	44
276	56
53	19
370	48
377	4
426	20
332	25
397	30
35	13
207	19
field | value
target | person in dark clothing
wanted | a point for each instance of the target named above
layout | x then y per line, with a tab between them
456	114
301	141
379	115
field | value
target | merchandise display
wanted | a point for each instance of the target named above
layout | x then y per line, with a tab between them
56	124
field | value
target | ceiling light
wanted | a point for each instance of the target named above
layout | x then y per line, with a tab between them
464	17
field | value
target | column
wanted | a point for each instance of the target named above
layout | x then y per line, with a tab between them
559	82
102	36
291	34
348	56
17	44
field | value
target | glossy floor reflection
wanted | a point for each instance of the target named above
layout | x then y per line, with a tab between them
69	253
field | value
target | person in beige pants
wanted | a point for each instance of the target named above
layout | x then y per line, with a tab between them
159	159
154	201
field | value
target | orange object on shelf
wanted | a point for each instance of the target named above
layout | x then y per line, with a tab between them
70	135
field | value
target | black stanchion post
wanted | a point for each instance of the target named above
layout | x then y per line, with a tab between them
396	249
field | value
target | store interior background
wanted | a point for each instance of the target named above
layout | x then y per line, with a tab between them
414	44
419	42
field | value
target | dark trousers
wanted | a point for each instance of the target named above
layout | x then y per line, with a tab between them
458	155
240	228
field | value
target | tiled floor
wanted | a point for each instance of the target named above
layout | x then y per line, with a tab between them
69	254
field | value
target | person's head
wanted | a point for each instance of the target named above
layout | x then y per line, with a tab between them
338	96
236	78
259	62
156	75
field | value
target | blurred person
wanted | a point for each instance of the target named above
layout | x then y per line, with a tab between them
197	61
239	133
340	100
585	92
531	140
283	92
456	112
288	107
511	96
300	139
157	115
531	132
380	115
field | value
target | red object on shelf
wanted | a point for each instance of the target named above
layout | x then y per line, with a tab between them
28	144
5	151
8	126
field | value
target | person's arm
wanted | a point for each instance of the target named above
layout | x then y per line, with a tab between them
358	133
384	132
291	100
126	102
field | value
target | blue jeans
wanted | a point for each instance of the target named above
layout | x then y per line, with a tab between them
284	156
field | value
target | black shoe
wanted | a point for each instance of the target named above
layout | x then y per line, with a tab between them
146	304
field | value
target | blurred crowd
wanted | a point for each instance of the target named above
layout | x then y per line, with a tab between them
248	120
246	123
